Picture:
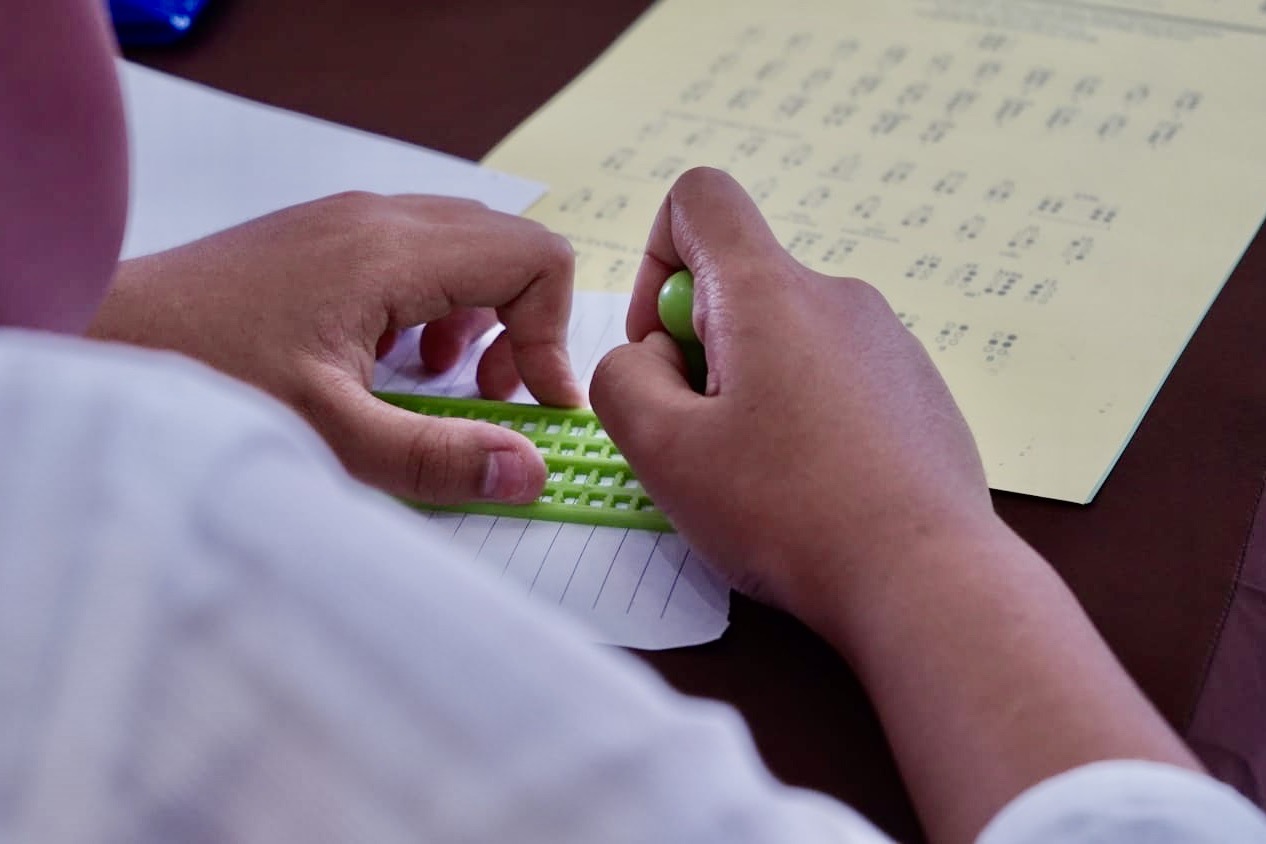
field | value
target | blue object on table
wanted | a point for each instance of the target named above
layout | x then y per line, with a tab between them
150	22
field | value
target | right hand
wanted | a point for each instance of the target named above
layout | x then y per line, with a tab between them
826	444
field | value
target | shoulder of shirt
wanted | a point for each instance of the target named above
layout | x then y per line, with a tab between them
57	374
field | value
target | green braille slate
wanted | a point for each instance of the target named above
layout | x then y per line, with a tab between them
588	481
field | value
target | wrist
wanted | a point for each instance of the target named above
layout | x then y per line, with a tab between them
860	598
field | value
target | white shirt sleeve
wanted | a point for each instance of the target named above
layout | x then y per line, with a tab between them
208	632
1128	802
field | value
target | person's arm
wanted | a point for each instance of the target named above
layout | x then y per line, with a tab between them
855	499
987	675
299	303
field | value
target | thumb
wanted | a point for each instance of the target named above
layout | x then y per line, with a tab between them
428	459
640	392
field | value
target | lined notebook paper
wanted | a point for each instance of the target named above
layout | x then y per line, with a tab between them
634	588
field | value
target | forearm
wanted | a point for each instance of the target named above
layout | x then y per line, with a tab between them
140	310
989	678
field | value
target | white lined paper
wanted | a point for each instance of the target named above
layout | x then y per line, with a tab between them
633	588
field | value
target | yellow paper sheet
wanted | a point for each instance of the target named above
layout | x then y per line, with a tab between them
1049	193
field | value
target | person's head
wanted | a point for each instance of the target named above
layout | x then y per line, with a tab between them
63	163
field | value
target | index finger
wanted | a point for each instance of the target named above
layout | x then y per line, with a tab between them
709	225
515	266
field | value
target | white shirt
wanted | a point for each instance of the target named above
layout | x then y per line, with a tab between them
208	632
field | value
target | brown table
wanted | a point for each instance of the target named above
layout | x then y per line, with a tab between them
1155	559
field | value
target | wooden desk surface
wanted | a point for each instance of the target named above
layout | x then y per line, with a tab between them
1153	559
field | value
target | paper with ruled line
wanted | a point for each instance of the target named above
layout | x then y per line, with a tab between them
1049	192
634	588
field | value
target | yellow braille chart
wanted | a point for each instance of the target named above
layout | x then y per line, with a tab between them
1049	193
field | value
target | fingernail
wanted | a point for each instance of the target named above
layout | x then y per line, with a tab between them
505	476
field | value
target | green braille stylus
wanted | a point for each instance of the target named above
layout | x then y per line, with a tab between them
676	312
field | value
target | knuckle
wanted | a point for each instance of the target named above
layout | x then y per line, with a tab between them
866	296
557	254
375	248
363	230
448	209
459	203
608	369
353	202
368	220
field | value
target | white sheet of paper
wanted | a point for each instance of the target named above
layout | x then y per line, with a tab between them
204	160
635	588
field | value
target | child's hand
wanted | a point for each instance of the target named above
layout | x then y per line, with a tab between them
826	442
299	302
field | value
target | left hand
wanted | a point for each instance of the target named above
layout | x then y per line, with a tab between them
300	302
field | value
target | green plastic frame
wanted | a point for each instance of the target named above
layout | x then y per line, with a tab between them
588	482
